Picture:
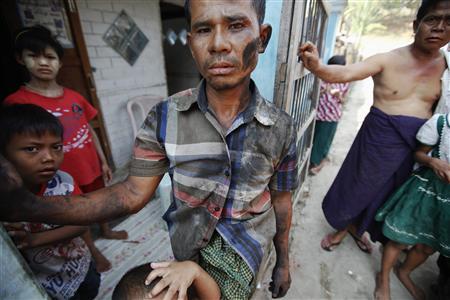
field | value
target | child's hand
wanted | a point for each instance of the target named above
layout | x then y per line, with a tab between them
20	237
441	169
177	277
107	173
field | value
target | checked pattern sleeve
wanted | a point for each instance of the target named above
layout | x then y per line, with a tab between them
149	154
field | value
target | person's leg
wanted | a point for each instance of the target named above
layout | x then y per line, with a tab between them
108	233
362	241
323	137
330	133
332	240
88	289
391	252
101	262
317	151
416	256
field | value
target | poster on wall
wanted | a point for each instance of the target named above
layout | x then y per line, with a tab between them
49	13
126	38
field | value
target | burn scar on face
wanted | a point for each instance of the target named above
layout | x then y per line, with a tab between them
250	53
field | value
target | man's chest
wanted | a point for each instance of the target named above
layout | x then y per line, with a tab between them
203	157
402	82
198	140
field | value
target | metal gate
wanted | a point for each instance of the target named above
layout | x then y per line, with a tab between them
296	89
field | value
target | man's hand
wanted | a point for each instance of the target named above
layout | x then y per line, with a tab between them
107	173
310	56
9	178
281	281
177	277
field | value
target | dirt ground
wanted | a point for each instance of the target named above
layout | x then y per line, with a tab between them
345	273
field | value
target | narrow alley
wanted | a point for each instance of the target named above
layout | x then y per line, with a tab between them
347	272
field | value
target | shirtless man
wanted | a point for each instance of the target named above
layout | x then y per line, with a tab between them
407	84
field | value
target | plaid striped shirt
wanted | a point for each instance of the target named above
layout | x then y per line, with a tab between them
330	106
220	180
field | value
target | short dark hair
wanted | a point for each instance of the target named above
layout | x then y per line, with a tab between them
131	286
337	60
36	39
425	7
26	119
258	5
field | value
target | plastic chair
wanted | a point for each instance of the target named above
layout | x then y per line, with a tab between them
138	107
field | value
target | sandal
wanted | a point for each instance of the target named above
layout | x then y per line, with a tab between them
363	243
327	243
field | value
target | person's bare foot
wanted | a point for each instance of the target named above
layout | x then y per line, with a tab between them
102	264
382	288
316	169
413	289
115	235
332	240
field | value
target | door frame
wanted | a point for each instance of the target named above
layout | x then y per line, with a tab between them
80	46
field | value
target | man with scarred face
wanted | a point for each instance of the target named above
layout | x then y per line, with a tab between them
231	155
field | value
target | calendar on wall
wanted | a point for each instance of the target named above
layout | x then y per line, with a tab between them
48	13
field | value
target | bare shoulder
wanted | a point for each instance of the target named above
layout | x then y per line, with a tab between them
393	58
387	57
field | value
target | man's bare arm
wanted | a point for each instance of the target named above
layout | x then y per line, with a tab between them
18	204
337	73
281	279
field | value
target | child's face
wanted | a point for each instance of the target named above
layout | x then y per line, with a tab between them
43	66
36	158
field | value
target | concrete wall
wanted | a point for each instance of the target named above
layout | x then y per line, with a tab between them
264	74
116	80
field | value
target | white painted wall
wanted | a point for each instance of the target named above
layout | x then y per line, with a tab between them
116	80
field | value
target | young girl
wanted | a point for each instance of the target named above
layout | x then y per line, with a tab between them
329	113
418	213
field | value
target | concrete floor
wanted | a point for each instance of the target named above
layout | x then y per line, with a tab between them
345	273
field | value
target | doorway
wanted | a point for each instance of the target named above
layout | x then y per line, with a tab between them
181	71
76	72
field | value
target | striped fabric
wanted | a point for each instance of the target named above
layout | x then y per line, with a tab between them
220	180
330	106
